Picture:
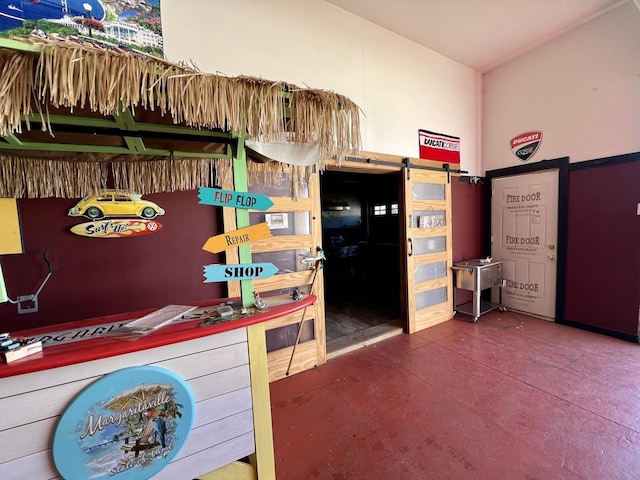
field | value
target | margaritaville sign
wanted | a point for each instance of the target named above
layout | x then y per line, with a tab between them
129	424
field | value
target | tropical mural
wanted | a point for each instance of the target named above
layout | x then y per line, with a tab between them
123	24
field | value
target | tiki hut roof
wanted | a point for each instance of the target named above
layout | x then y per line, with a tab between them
76	115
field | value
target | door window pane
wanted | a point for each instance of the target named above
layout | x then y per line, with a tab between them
428	218
283	337
282	190
422	246
431	297
283	223
287	261
427	191
430	271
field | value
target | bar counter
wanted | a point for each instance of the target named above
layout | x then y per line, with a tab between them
223	364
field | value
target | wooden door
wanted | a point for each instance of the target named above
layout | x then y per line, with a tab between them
427	199
296	233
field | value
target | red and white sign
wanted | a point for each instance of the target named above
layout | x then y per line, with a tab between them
526	144
439	147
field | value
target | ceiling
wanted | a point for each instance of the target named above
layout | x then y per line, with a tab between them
481	34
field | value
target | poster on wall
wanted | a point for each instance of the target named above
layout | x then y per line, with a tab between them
126	425
526	144
130	24
439	147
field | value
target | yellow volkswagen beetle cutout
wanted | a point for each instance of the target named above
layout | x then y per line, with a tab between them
115	203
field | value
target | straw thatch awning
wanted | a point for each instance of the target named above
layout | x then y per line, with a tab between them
76	116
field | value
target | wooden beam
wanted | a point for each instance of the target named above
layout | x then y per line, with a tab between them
22	46
13	140
264	456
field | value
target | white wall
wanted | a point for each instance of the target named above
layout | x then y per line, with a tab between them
400	86
582	90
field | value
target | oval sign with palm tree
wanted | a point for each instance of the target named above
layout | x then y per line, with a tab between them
128	424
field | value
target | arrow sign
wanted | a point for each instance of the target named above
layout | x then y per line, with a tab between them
223	273
229	198
236	238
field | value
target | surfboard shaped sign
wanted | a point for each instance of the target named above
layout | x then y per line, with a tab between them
248	271
237	238
116	228
228	198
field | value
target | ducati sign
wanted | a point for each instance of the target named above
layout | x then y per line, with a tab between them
526	144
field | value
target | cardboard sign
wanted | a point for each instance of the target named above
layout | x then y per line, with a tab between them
223	273
237	238
439	147
10	235
116	228
228	198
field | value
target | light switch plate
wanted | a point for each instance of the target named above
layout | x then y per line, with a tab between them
638	209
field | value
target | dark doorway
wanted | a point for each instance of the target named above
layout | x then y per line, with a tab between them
361	232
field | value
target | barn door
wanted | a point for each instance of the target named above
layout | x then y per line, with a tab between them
427	197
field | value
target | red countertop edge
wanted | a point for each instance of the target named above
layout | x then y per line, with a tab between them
109	346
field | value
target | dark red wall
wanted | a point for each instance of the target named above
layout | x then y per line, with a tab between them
96	277
603	254
467	203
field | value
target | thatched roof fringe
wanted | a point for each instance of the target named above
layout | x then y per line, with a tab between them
16	89
273	174
73	75
70	74
42	178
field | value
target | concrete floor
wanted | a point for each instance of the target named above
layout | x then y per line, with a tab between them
510	397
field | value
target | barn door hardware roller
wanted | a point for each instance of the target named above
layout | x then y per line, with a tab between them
29	303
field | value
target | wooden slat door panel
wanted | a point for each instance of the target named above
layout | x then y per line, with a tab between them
285	248
427	199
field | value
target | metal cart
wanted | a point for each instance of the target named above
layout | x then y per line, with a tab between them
477	275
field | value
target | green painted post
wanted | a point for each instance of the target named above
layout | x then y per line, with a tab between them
240	184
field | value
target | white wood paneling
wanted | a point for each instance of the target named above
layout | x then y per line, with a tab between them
216	369
217	433
223	406
225	381
37	404
209	459
37	466
56	376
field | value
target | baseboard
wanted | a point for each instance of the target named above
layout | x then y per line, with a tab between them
603	331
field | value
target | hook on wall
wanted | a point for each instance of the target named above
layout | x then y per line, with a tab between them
29	303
